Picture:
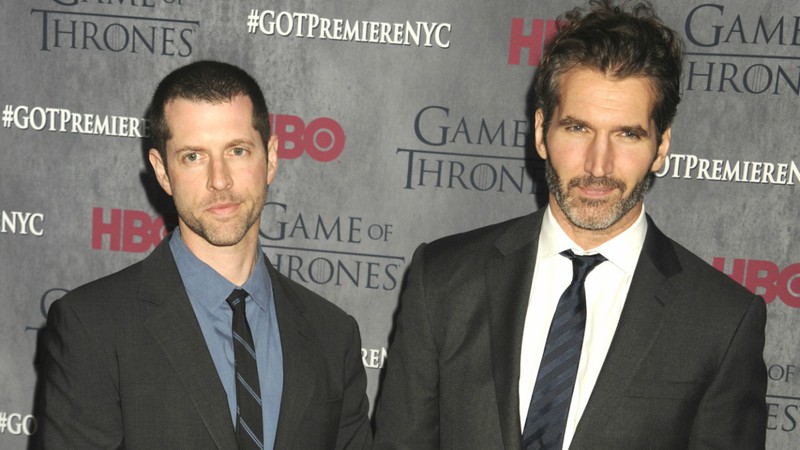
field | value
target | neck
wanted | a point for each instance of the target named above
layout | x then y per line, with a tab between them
234	262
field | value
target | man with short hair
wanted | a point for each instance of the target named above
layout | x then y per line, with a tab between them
580	326
203	344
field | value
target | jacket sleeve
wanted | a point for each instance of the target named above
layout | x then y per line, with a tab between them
354	428
733	411
407	414
78	404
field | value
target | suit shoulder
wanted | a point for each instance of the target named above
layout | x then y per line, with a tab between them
691	276
707	274
114	287
104	308
477	241
310	300
332	327
711	289
120	287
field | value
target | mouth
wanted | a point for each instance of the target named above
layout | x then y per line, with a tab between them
597	189
596	192
223	209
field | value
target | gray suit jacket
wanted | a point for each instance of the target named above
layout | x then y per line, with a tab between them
126	365
685	368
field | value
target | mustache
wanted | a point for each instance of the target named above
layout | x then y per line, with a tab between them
222	197
590	181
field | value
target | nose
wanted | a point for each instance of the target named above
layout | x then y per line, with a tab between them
219	177
600	157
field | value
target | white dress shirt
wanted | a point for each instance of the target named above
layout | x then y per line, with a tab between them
606	288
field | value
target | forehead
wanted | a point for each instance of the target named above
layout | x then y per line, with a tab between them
183	109
586	91
204	123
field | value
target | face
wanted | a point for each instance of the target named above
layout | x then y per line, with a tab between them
217	172
601	149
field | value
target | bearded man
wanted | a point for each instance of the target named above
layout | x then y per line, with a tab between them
582	325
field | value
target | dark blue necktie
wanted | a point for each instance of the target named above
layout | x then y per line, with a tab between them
249	422
552	394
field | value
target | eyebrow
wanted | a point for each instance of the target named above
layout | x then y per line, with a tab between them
233	143
188	148
569	120
238	142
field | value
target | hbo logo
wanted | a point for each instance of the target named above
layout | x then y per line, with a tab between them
322	138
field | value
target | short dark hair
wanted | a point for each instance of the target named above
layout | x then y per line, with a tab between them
617	41
209	81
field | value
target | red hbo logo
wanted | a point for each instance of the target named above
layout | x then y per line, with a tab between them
322	138
541	32
127	230
766	279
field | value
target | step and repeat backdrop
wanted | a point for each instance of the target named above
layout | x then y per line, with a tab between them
399	122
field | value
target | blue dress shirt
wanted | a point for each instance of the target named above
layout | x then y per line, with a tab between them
207	292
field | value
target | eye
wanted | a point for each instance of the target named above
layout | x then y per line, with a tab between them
632	135
239	151
191	156
576	128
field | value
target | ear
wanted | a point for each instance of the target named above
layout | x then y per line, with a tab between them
662	150
541	148
272	158
160	170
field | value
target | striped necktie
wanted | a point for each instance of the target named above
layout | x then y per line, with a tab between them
552	394
249	422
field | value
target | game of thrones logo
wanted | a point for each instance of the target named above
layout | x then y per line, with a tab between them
110	27
739	53
315	248
467	164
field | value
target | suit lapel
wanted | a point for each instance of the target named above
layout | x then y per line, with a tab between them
508	283
174	326
639	324
298	355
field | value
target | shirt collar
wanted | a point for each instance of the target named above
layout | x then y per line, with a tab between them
207	287
623	250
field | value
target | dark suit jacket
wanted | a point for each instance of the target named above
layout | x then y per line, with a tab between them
126	365
685	368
